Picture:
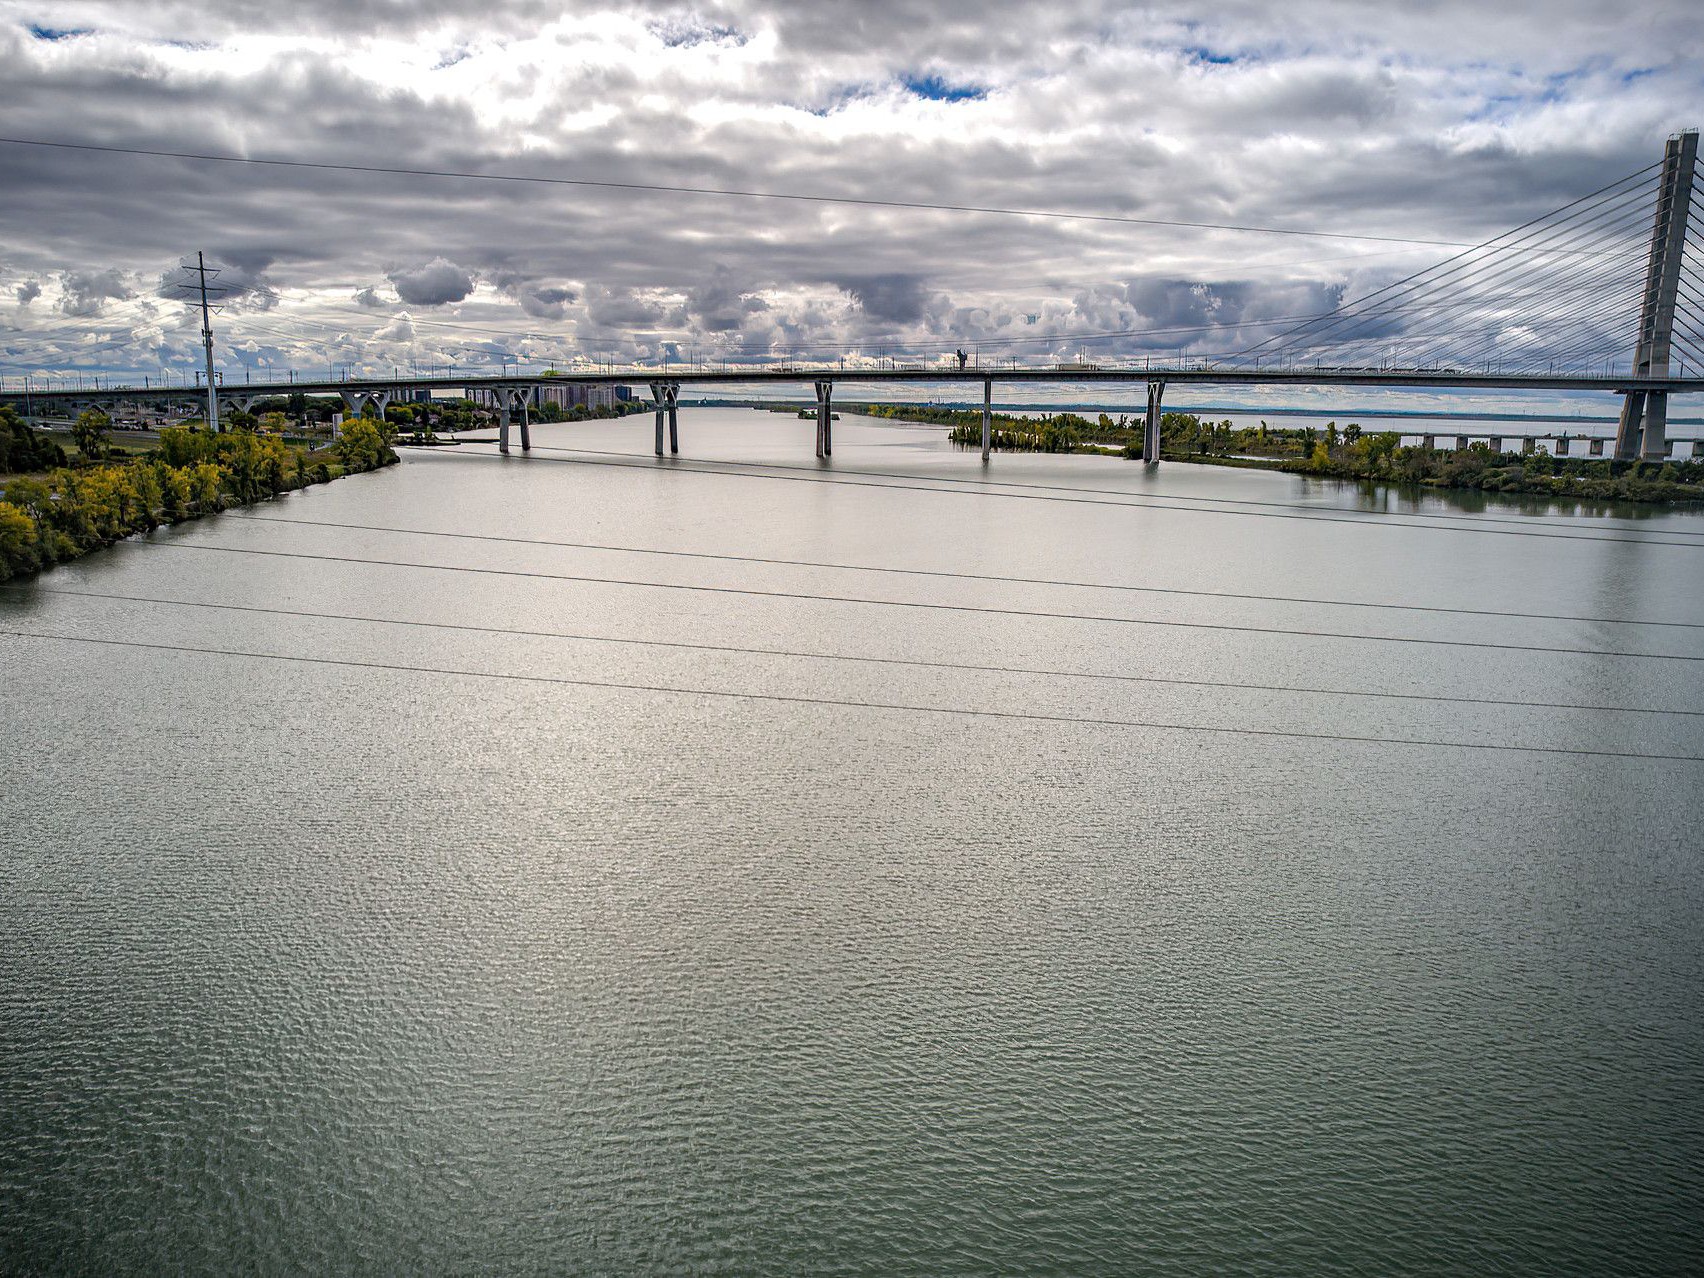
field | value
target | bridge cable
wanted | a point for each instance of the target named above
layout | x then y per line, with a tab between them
1466	286
1487	244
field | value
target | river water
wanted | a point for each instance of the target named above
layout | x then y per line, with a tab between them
329	944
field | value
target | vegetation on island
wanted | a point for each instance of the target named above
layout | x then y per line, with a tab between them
1346	453
53	513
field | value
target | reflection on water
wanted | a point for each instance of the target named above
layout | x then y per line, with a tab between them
357	964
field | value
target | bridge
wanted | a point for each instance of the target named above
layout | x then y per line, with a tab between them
1551	305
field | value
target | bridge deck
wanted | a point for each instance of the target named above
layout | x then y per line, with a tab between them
802	374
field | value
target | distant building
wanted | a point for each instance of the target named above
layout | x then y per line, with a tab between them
564	395
575	395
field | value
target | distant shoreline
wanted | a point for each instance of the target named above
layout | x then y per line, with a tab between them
1077	406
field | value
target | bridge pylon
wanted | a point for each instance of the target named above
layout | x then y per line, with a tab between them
1642	431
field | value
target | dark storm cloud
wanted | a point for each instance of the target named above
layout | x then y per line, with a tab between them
546	301
722	303
86	293
27	292
892	298
436	283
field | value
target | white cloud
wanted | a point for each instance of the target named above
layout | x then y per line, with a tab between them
1446	121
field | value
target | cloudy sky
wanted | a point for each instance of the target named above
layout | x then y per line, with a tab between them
1439	121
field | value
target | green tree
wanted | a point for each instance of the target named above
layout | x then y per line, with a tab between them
90	433
19	548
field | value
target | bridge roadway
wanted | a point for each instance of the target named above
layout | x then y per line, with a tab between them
512	390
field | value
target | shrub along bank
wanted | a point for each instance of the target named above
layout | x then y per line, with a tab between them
53	517
1349	453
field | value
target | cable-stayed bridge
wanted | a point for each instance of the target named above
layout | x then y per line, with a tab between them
1605	293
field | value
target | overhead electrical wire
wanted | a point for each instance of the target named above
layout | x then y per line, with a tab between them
1141	501
920	605
741	650
942	574
906	707
674	189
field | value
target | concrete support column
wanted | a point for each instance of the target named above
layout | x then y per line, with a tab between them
1151	424
503	422
825	419
666	396
520	397
987	418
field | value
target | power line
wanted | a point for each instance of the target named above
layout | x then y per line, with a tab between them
662	188
980	610
1142	501
969	576
1238	686
1137	501
1010	715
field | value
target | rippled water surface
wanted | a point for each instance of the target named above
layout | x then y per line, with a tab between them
364	961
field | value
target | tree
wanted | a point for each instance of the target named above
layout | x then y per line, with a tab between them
90	432
18	552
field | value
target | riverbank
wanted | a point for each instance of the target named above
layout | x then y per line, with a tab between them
60	514
1331	453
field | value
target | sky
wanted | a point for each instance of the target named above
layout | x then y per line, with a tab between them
1439	121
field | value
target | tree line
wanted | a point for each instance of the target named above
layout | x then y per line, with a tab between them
1345	452
66	511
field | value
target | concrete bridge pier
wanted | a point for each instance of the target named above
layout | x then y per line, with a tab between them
510	398
987	417
666	396
521	397
355	402
825	419
1151	424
